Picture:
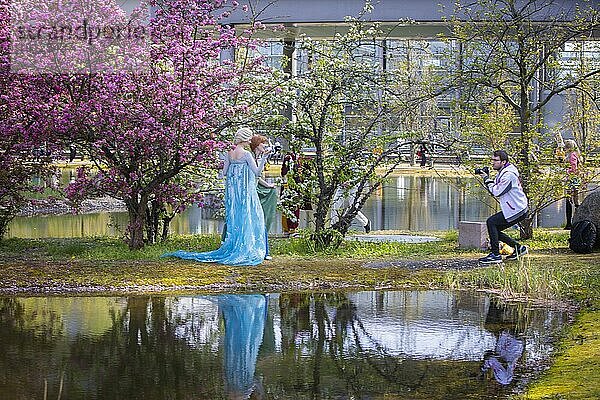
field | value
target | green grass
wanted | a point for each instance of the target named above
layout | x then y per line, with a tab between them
575	372
551	271
302	247
102	248
105	248
109	248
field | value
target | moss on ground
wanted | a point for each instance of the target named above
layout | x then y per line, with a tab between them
575	374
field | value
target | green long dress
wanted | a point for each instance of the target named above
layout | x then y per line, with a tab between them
268	201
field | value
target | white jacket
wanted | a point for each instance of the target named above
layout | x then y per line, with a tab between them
507	188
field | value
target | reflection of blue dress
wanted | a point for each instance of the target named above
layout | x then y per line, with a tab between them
244	243
244	317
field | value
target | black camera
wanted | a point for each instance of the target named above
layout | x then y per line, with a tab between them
484	170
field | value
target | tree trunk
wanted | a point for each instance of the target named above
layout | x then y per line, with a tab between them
320	215
6	216
3	227
526	169
137	222
343	224
324	237
526	228
166	222
153	220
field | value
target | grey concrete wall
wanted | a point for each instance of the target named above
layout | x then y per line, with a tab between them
297	11
322	11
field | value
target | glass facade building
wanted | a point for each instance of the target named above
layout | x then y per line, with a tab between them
411	45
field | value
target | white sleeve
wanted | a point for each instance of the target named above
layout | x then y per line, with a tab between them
257	169
225	165
502	184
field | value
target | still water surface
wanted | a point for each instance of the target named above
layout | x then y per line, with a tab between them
395	344
406	202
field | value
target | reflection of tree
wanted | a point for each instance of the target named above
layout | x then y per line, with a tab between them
295	317
343	359
26	357
338	355
140	357
391	369
155	349
320	317
137	329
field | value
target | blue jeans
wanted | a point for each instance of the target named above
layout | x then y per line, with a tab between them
495	225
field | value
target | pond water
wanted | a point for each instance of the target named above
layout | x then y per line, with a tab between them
406	202
395	344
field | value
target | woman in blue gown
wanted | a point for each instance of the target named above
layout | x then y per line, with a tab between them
244	242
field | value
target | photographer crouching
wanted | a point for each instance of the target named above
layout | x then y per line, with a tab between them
513	203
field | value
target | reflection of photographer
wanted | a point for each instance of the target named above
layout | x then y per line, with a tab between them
503	359
506	187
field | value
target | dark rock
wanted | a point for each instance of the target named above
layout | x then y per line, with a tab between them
589	209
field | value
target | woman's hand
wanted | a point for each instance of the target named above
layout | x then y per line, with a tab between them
266	184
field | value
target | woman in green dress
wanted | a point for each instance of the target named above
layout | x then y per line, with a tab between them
266	191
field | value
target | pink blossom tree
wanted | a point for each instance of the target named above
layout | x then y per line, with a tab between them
25	149
26	143
148	100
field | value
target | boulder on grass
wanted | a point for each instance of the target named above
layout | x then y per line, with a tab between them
586	222
589	209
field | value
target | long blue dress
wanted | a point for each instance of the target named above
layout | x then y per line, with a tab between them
244	243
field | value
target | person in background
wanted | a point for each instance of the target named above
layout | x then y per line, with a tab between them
422	154
345	196
266	191
573	179
506	187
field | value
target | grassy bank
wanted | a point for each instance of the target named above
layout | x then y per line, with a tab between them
550	272
575	374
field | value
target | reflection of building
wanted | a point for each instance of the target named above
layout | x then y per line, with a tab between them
428	324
